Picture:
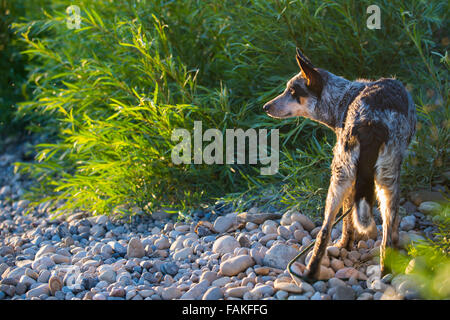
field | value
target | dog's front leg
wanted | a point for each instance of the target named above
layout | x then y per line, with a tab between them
348	231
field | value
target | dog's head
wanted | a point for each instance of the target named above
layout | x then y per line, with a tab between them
301	94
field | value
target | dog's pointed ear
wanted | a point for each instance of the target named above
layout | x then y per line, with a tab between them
313	78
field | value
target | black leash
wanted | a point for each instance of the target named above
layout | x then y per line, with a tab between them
289	266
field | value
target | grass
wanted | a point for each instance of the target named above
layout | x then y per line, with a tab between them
108	95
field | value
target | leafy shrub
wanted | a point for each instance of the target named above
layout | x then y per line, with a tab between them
13	79
428	261
11	66
109	94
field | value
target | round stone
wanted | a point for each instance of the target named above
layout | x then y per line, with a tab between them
344	293
169	268
234	266
279	255
182	254
284	232
222	224
237	292
333	251
108	275
225	244
430	207
171	293
55	284
408	223
244	241
306	223
213	293
162	243
135	248
269	227
287	286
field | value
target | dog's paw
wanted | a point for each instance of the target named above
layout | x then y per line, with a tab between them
384	271
342	244
308	276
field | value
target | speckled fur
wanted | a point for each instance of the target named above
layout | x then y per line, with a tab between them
357	111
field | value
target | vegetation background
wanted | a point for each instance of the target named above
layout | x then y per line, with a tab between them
106	97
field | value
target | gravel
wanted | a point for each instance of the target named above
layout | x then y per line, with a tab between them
153	258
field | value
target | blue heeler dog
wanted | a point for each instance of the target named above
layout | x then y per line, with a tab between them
374	122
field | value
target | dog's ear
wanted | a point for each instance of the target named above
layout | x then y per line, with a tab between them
313	78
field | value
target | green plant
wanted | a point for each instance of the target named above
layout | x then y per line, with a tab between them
428	261
109	94
11	66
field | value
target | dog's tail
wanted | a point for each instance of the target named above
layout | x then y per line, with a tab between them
371	135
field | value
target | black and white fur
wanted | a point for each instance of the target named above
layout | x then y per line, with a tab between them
374	122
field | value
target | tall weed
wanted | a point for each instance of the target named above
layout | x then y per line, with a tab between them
109	94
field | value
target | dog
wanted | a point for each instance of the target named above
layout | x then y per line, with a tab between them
374	122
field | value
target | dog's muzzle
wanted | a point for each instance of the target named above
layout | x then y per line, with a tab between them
267	107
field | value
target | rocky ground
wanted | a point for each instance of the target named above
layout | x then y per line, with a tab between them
227	256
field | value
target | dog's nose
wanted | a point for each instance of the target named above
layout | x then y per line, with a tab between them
267	107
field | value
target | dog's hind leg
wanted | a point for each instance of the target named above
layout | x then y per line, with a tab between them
343	168
388	194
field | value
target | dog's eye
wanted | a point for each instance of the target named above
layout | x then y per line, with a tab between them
297	91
